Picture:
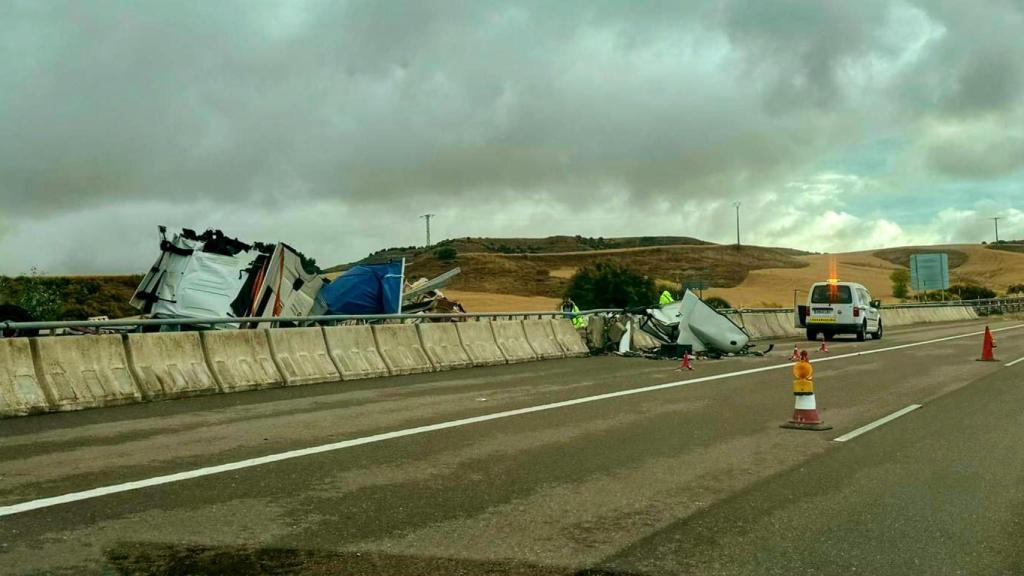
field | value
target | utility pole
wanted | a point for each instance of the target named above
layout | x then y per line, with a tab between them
996	221
427	217
737	205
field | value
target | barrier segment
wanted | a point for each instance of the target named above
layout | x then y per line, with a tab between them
478	340
354	352
756	326
399	345
301	356
79	372
511	339
240	359
20	391
169	365
541	338
441	342
568	338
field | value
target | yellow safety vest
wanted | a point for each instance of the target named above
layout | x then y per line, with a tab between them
578	321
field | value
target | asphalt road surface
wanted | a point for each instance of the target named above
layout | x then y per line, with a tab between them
581	466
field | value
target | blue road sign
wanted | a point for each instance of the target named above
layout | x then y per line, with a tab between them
929	271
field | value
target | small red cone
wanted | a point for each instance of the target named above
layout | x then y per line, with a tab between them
685	364
986	347
824	345
795	356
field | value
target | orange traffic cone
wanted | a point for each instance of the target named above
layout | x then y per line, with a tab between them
987	346
805	411
685	364
824	345
796	354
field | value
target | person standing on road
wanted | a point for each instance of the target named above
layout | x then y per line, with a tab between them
569	307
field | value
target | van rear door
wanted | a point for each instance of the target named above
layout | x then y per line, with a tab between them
827	302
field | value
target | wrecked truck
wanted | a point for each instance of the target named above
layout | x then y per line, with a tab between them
212	275
688	324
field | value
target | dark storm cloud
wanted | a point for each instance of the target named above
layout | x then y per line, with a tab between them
377	100
181	111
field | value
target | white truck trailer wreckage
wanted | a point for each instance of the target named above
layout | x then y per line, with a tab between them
687	324
211	275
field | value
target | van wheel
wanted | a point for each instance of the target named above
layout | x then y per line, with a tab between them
878	333
862	331
812	335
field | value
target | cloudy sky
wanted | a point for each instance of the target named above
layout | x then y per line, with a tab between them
334	125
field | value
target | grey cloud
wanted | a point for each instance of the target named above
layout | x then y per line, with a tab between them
235	108
976	66
966	157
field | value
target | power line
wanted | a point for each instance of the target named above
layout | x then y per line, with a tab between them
427	217
737	205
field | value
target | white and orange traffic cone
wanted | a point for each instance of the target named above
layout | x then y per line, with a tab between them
824	345
685	364
805	411
987	346
795	356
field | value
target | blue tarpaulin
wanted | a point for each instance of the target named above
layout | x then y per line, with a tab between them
365	289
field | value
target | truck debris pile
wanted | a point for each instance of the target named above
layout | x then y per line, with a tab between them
213	275
688	324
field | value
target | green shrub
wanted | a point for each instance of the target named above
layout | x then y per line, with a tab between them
610	285
446	253
900	283
717	302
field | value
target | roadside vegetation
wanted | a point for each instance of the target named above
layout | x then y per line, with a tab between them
69	297
610	285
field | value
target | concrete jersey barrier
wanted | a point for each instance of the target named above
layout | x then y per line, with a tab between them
511	339
568	338
785	325
399	345
169	365
756	325
20	391
79	372
541	338
301	356
354	352
478	340
441	343
240	359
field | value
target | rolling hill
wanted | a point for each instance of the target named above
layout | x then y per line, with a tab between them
500	274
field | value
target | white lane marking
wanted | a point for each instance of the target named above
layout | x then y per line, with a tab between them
876	423
249	463
1008	364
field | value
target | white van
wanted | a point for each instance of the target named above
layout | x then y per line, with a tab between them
841	308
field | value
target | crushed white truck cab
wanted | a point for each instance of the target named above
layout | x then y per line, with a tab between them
840	308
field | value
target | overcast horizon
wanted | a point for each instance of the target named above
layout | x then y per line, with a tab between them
334	125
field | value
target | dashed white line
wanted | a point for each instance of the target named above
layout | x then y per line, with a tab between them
876	423
251	462
1008	364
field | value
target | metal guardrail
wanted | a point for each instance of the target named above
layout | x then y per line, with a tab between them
987	305
276	320
1014	304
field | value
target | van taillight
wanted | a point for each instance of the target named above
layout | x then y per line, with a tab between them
856	312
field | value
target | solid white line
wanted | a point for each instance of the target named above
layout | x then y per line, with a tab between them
1008	364
876	423
249	463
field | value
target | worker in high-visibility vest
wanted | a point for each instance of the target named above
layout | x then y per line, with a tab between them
666	298
569	307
